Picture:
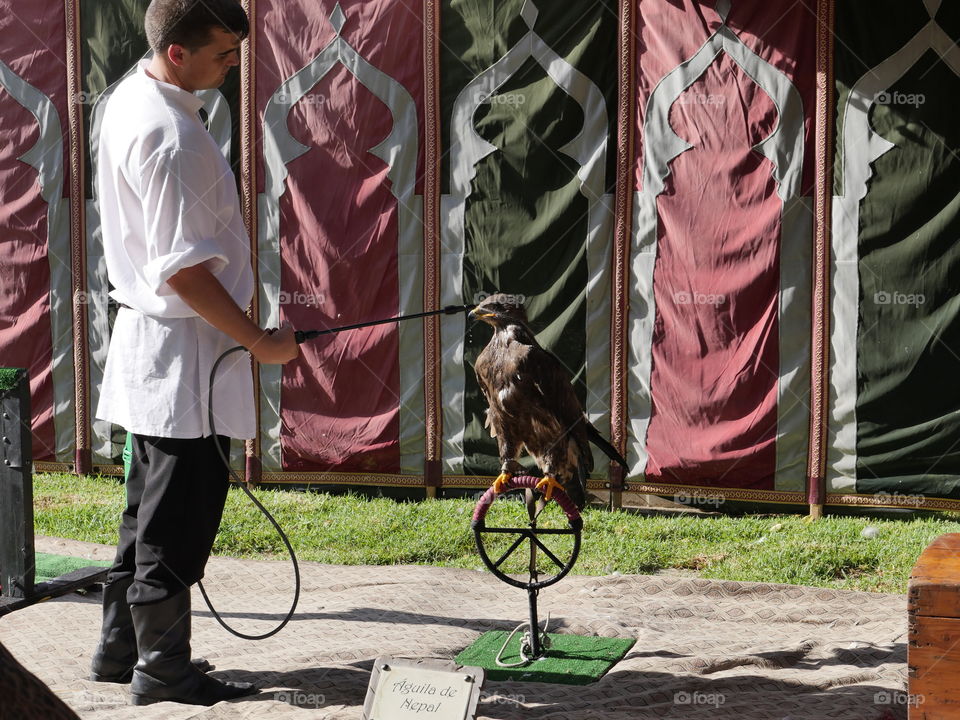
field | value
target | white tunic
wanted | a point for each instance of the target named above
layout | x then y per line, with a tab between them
168	200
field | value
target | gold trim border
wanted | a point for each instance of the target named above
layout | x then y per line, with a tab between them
78	255
248	200
59	467
626	134
433	420
820	296
876	500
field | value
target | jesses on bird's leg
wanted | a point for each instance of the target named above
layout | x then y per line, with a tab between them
507	471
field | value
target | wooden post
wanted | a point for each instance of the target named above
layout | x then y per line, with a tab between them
16	490
433	154
620	269
432	477
617	484
820	309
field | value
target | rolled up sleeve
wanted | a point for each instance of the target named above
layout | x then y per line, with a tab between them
180	227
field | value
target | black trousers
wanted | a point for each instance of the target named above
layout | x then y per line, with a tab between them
176	491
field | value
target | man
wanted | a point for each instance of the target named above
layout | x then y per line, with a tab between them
179	259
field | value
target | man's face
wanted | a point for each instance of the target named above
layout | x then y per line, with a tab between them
207	66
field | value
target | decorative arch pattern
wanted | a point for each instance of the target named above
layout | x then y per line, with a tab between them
784	149
467	149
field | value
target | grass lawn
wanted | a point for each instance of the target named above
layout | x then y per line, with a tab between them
348	529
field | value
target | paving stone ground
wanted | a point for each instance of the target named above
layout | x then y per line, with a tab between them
705	648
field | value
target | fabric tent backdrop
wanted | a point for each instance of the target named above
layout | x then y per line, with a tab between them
734	223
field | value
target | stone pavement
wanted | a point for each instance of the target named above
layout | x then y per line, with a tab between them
705	648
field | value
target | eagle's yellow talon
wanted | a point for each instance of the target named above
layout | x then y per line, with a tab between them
550	483
500	484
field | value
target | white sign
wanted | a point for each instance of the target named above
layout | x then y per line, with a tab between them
406	690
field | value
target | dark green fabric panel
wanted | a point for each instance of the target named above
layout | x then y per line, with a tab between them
908	338
864	40
526	218
112	40
477	33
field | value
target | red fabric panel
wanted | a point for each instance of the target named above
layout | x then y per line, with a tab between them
671	31
338	236
715	347
715	342
34	48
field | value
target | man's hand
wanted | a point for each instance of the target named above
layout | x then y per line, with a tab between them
275	346
200	290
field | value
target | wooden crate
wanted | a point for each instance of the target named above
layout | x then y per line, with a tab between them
933	656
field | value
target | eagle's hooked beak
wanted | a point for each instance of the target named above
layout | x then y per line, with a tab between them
478	314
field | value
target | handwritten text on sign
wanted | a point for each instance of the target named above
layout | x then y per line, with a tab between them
405	693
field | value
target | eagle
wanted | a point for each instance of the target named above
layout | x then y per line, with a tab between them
532	405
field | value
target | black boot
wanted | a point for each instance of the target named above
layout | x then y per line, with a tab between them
116	654
163	671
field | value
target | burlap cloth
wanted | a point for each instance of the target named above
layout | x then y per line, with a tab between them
705	648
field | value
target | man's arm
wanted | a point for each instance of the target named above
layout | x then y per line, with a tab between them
204	294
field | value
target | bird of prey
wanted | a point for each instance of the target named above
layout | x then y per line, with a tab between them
532	405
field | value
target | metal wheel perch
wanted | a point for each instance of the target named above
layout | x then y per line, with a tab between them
534	642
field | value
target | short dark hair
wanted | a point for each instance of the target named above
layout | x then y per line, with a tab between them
189	22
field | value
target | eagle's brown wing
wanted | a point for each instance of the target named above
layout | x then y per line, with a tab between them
495	369
560	410
532	405
482	368
537	404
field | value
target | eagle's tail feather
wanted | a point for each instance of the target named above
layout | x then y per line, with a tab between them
601	442
576	489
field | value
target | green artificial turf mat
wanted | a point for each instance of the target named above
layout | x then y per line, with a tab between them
49	566
8	378
570	659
